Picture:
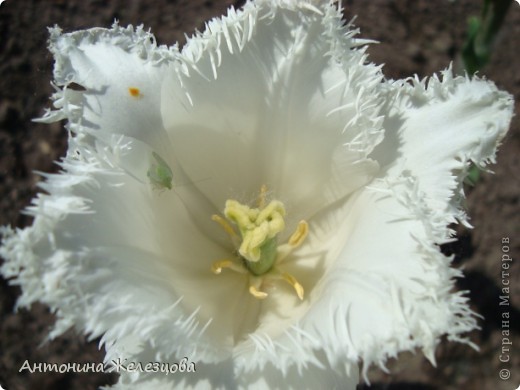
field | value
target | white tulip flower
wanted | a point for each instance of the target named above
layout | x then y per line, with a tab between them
262	202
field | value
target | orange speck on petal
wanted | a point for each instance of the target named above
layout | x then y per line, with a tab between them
135	92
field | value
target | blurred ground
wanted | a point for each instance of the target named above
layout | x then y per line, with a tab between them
416	37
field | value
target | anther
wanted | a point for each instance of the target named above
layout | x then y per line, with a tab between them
226	226
294	283
299	235
254	288
262	196
219	265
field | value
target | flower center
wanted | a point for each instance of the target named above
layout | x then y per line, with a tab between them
258	254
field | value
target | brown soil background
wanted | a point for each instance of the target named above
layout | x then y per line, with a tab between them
416	37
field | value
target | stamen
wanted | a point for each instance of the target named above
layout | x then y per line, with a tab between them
225	225
254	286
299	235
297	238
219	265
262	196
294	283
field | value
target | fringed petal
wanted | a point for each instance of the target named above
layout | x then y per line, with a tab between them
278	93
107	82
435	128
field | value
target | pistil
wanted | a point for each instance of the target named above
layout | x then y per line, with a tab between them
258	254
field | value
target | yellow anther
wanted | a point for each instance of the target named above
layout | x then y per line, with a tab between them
262	196
224	225
299	235
254	287
219	265
294	283
257	294
297	238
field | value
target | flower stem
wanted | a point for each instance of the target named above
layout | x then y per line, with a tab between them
476	52
482	32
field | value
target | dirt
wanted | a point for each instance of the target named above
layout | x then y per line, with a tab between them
416	37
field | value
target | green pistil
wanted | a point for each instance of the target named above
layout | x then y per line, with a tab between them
268	252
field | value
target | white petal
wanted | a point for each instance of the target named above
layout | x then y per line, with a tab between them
121	70
390	288
435	128
390	260
294	110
